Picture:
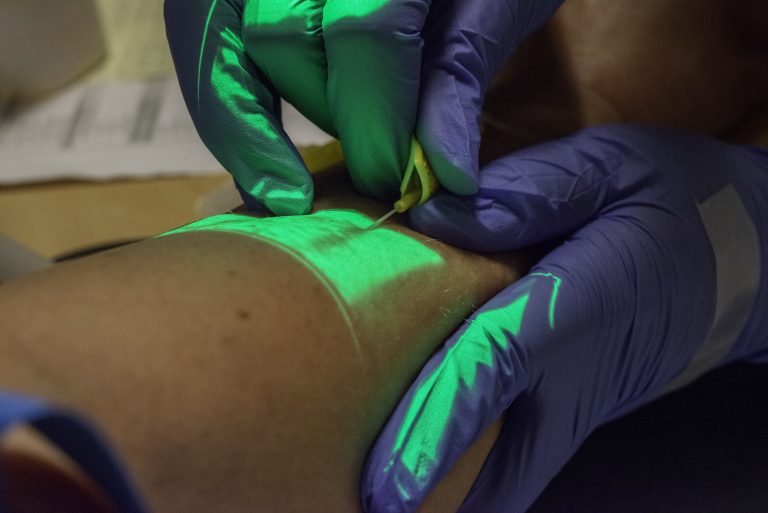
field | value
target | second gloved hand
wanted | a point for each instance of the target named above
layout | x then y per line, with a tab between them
371	72
663	276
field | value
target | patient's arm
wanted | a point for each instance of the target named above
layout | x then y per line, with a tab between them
248	372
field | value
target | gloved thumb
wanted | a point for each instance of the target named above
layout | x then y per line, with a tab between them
536	195
466	43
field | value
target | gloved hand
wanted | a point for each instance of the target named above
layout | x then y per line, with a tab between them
664	275
370	72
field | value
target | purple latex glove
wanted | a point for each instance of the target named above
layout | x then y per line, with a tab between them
663	276
371	72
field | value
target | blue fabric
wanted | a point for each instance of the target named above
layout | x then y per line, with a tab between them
77	439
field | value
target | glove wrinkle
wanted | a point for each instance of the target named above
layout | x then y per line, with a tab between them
616	312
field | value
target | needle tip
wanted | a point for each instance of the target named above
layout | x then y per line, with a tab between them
382	219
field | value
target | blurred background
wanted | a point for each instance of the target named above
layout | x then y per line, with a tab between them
96	145
97	149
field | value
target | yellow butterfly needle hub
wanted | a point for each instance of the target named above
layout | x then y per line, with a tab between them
418	186
419	182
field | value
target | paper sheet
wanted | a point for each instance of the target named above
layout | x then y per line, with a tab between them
126	120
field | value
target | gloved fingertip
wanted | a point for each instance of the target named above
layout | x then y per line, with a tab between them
296	203
457	171
251	204
448	130
464	221
383	187
281	201
387	492
457	174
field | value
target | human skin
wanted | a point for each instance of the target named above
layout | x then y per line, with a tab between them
236	373
695	65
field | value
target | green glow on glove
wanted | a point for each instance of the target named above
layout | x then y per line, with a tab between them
232	91
340	9
234	116
202	51
424	425
434	403
306	14
553	299
245	59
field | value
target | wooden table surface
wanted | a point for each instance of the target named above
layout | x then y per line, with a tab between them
58	218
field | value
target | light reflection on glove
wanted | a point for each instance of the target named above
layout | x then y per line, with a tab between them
370	72
664	276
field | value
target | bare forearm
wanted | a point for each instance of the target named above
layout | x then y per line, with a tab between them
235	373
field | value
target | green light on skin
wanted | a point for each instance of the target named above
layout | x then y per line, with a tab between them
352	261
